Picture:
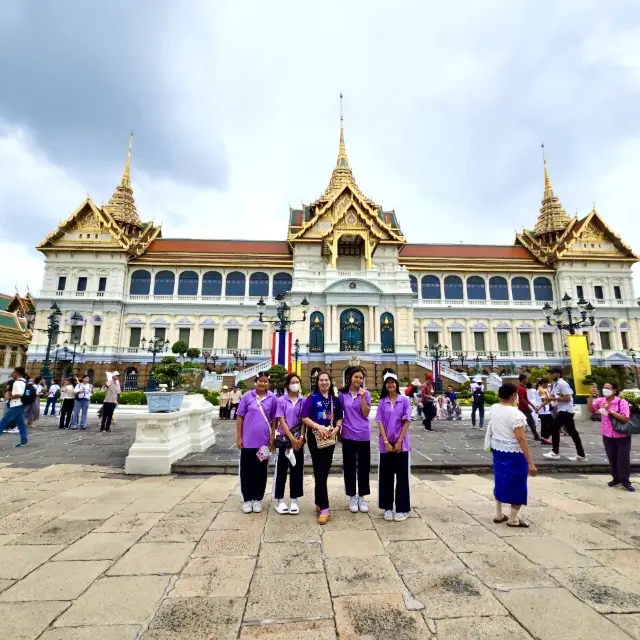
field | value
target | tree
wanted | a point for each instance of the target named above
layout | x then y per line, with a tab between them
612	375
193	353
180	348
168	371
277	375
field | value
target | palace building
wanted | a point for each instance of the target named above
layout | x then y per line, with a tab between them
17	315
373	297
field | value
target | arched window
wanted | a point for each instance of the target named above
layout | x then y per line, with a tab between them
316	332
258	284
498	289
387	333
140	283
282	283
542	289
351	330
520	289
453	288
235	284
188	283
476	288
414	285
131	379
431	288
91	374
212	284
164	283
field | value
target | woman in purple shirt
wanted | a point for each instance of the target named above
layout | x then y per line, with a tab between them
356	439
291	455
393	418
256	413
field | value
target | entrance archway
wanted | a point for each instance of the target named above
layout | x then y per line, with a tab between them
351	330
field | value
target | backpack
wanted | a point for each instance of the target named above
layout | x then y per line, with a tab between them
478	395
29	395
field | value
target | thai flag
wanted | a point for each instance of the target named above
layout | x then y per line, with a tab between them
281	348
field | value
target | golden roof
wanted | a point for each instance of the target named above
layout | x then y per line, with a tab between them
122	206
553	218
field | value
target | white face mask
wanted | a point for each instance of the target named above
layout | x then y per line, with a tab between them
607	392
295	387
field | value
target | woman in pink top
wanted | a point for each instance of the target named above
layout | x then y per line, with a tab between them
356	439
617	445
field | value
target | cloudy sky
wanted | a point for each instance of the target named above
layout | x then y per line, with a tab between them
236	113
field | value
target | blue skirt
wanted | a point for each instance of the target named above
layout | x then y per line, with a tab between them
510	471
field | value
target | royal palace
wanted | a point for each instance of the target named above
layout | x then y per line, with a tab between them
367	294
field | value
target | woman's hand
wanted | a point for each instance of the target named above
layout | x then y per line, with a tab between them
388	447
297	444
594	392
239	442
533	471
397	447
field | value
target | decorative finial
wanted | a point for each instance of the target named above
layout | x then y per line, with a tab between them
342	162
126	174
553	218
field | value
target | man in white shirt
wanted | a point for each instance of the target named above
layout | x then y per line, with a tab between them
52	398
15	412
562	394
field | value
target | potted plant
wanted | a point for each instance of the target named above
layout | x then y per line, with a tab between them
168	375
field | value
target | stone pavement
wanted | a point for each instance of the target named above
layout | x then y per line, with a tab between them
89	554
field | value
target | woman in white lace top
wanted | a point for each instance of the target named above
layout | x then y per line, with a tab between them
512	462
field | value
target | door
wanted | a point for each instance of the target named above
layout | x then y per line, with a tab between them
351	330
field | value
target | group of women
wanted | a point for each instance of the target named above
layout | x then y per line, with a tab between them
288	422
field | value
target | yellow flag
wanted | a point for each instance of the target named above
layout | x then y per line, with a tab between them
580	363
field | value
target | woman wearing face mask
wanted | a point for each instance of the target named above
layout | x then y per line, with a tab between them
256	414
512	461
322	414
617	445
356	439
289	440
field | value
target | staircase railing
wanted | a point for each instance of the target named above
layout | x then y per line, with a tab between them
452	374
252	371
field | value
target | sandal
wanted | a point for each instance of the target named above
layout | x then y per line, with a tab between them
521	524
500	520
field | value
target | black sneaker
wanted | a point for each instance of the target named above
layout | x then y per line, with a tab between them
613	483
629	487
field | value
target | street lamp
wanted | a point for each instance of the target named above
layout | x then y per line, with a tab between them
450	360
437	352
296	353
240	358
209	355
75	341
491	358
576	318
154	346
52	331
283	312
463	357
634	357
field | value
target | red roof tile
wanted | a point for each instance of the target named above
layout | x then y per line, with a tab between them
465	251
248	247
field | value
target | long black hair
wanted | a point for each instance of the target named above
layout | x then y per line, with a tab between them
350	372
332	388
385	392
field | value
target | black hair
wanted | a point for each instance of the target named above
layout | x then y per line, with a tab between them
557	370
20	371
506	391
385	392
72	380
261	374
348	377
616	387
37	379
529	385
289	378
388	370
332	389
522	376
544	381
55	381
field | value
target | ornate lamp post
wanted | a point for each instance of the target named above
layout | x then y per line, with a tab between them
634	356
577	318
450	360
75	342
463	357
52	331
155	346
240	358
209	355
296	353
492	359
437	352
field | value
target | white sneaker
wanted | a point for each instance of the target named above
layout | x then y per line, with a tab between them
294	509
282	508
13	430
388	516
247	507
577	458
353	504
257	506
399	517
551	455
362	505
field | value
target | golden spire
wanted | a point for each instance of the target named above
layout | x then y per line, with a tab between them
122	206
553	219
342	161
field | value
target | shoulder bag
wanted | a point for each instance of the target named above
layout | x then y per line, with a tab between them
632	426
282	441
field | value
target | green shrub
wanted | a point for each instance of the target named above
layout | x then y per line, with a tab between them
464	402
193	352
133	398
97	397
464	394
631	397
201	390
213	397
242	385
375	397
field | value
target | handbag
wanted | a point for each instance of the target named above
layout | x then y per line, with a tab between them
328	442
629	428
260	455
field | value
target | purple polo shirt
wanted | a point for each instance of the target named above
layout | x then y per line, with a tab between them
354	425
255	430
392	418
292	413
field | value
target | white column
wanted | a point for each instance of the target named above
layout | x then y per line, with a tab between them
371	337
334	324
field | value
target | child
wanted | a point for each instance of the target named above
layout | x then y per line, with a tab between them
256	413
394	417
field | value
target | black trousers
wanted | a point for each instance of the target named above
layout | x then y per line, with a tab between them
66	411
394	466
234	408
532	424
430	411
253	475
546	424
296	475
619	456
356	462
565	419
321	460
479	407
107	415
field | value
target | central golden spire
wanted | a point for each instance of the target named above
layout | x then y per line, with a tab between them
342	161
122	206
553	219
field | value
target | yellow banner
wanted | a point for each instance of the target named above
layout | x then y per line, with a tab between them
580	363
297	370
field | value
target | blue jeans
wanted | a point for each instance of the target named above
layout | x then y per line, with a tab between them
51	402
15	415
78	420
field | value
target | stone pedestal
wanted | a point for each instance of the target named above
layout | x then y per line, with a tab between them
201	434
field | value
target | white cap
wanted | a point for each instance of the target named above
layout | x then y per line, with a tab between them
115	373
390	375
477	379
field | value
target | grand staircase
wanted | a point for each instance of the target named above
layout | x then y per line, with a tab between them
445	371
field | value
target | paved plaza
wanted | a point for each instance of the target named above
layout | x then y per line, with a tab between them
87	553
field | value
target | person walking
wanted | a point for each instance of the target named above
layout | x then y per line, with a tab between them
110	401
15	412
477	402
617	445
322	414
68	398
512	461
356	440
80	417
289	442
394	467
562	393
256	414
234	401
225	399
52	398
525	406
544	411
430	409
32	410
